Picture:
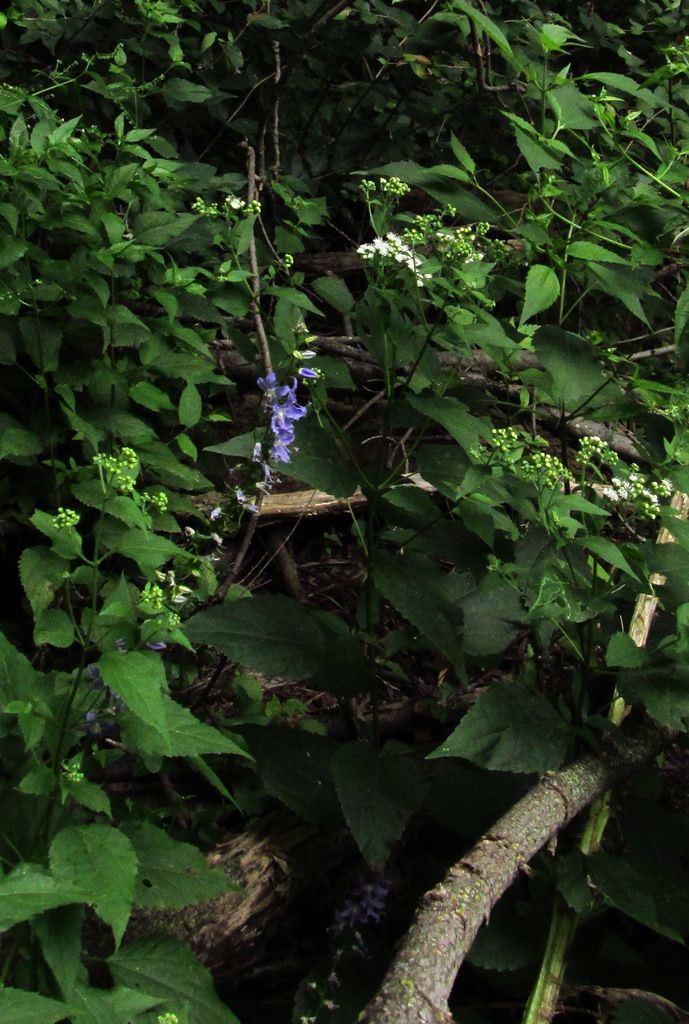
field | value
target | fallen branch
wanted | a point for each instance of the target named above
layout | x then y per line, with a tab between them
418	983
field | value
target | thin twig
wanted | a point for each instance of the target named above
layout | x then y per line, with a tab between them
649	353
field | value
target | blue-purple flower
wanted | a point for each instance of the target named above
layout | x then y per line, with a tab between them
285	411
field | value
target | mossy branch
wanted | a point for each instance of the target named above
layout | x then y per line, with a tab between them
417	985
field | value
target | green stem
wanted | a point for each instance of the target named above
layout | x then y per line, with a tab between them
545	996
542	1004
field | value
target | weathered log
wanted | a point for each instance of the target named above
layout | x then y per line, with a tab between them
275	861
418	983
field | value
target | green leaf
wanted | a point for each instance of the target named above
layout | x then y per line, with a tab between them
622	652
466	429
42	574
54	627
16	441
509	728
591	251
401	580
542	290
486	25
88	794
158	228
20	1007
378	790
319	461
441	183
335	292
681	315
138	677
190	406
572	109
148	550
662	690
535	154
150	396
626	284
59	933
643	1011
171	873
11	250
461	154
267	633
178	91
165	967
608	551
101	861
493	615
111	1006
625	889
576	374
294	766
29	890
188	736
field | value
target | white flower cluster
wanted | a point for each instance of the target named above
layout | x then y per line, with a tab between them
392	248
636	490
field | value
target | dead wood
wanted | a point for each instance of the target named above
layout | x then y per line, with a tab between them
478	369
275	861
418	983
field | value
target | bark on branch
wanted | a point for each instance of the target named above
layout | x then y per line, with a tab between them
418	983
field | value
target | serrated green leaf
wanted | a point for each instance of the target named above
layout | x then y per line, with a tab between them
20	1007
493	615
165	967
158	228
463	426
681	315
110	1006
622	652
150	396
59	933
88	794
172	873
536	156
542	290
42	574
509	728
625	889
461	155
378	791
190	406
486	25
101	861
294	766
401	580
29	890
178	91
53	626
593	251
267	633
335	292
186	735
576	373
11	250
17	441
608	551
148	550
319	461
662	690
138	677
627	284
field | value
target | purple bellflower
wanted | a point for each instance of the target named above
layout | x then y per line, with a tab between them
285	411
